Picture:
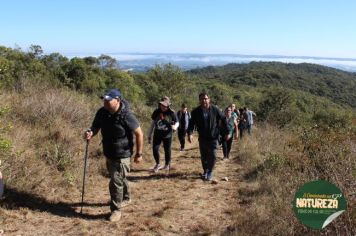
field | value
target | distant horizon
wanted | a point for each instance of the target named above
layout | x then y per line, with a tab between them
190	60
200	53
142	61
79	53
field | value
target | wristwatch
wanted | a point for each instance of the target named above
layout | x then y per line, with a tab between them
138	155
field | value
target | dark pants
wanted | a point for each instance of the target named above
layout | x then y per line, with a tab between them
226	145
241	129
208	153
167	143
118	185
181	136
249	128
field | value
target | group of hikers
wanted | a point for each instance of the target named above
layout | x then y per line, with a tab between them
118	125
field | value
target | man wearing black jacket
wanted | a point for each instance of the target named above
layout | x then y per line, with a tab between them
117	125
207	119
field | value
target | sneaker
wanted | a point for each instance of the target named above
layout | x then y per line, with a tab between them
209	176
156	168
225	159
203	176
126	202
181	149
166	167
115	216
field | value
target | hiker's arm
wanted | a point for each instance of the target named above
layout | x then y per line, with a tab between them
95	127
191	126
175	121
175	125
139	144
236	129
150	131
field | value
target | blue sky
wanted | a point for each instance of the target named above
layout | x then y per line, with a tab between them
324	28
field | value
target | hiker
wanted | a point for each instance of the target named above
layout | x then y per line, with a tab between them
231	133
183	117
235	112
249	120
206	118
117	125
164	122
242	122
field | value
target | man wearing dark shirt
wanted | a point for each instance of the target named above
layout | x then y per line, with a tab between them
207	118
117	125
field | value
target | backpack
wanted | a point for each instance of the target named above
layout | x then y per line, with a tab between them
122	119
123	145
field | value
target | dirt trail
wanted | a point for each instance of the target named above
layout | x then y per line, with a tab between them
174	203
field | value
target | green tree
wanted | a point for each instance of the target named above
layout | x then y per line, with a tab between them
171	81
277	107
107	62
35	51
125	83
76	71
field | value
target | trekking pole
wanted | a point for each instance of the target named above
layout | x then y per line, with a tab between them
85	168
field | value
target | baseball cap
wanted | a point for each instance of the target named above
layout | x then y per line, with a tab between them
111	94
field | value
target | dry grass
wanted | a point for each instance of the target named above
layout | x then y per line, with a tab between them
46	138
277	163
44	175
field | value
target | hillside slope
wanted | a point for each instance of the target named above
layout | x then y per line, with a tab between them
337	85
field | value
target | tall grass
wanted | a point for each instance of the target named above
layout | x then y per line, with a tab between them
46	137
278	162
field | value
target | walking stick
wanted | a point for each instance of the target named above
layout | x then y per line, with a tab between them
85	169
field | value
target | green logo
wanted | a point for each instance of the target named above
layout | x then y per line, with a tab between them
318	203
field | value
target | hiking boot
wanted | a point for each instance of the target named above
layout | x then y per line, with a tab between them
166	167
126	202
156	168
115	216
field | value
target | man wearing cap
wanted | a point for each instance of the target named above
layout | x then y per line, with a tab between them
117	125
164	122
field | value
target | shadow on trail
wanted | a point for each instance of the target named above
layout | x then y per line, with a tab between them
137	170
186	149
91	204
189	156
166	175
15	199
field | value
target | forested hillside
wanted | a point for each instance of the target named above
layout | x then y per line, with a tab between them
305	130
337	85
